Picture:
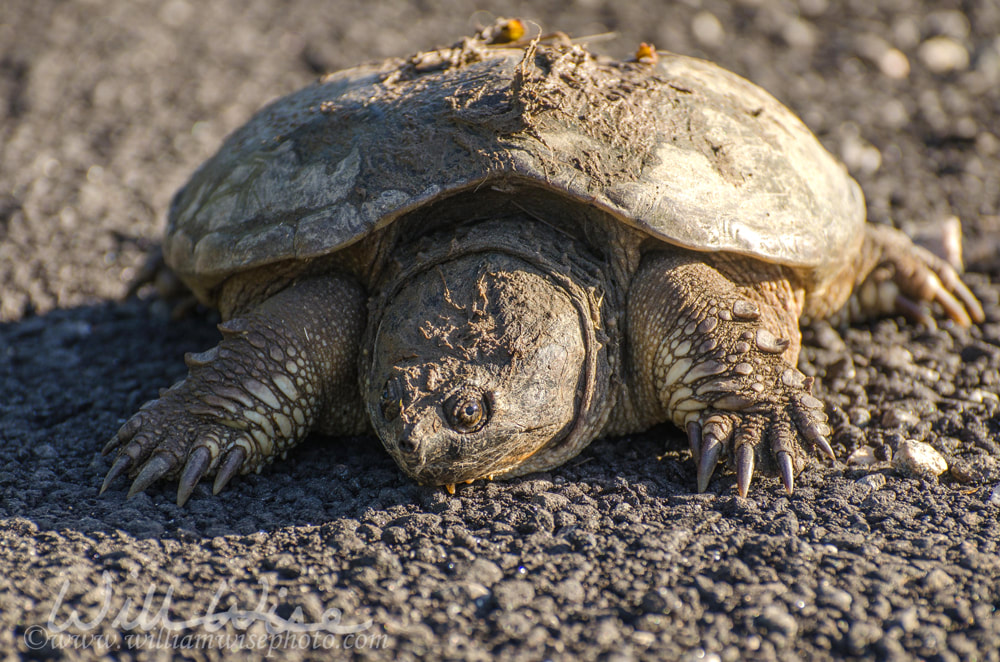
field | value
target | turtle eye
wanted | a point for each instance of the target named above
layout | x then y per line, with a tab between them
391	402
466	412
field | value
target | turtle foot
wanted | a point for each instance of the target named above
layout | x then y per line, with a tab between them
238	408
773	434
718	339
167	439
909	279
253	396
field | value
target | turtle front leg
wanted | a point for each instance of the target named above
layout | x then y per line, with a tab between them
714	344
285	368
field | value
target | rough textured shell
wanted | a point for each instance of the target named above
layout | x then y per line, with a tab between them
683	149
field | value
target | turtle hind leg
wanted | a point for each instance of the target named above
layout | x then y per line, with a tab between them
893	275
714	341
284	368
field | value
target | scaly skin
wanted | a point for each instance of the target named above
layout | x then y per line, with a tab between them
711	344
714	343
285	369
892	275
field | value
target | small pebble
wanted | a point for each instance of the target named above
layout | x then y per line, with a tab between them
896	417
874	482
859	416
995	496
800	34
953	23
832	596
863	457
894	64
884	452
938	580
859	155
707	29
512	594
906	619
776	618
861	635
943	54
843	368
915	458
973	470
828	338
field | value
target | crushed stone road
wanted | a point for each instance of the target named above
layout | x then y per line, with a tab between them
105	109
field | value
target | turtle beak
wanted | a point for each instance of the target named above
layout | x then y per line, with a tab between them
426	450
412	442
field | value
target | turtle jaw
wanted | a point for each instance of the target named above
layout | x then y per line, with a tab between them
432	454
475	367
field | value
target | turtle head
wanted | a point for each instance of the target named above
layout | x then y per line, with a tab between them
475	366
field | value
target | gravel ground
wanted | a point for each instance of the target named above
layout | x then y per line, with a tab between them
108	106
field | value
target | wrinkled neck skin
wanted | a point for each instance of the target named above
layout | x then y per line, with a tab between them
488	359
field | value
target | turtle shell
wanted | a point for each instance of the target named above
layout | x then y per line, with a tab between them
681	149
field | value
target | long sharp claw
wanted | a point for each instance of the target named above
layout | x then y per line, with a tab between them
230	466
120	466
955	309
111	445
744	468
710	450
971	302
816	432
824	446
959	292
787	471
694	440
152	471
125	432
960	304
916	313
196	467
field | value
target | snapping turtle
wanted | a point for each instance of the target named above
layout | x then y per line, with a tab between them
492	254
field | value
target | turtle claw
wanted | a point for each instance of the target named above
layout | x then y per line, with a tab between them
944	286
124	435
154	469
711	449
172	437
744	468
230	466
787	471
824	446
714	434
198	464
921	279
694	440
120	467
112	445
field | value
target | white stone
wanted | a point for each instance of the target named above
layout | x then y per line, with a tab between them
916	458
894	64
943	54
873	482
863	457
707	29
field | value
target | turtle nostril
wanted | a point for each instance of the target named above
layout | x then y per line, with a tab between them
410	444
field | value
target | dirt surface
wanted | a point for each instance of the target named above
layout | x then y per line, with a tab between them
108	106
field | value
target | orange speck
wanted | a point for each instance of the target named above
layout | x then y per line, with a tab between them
512	30
646	53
